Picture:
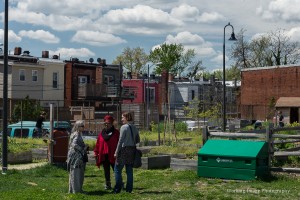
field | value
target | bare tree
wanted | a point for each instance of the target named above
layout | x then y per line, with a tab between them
240	51
273	48
283	50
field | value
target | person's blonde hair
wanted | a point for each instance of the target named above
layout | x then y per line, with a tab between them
78	123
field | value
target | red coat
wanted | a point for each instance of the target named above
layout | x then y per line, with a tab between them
102	147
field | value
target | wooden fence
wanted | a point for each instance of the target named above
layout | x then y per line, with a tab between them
270	135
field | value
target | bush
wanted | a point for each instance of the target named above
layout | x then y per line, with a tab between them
179	126
15	145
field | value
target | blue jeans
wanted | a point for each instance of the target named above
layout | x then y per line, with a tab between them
119	180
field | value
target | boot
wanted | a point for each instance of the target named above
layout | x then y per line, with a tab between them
108	185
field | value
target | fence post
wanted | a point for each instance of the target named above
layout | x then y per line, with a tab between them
269	140
204	134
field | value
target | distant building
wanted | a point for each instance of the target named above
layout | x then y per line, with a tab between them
38	78
265	90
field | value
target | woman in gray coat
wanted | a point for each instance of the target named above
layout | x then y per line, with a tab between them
125	152
75	161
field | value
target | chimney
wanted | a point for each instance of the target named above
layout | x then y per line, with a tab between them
18	51
45	54
103	62
171	77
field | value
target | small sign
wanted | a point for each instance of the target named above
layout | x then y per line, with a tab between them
224	160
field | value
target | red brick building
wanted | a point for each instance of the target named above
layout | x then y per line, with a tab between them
261	88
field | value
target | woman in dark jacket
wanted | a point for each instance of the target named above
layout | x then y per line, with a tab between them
125	152
105	148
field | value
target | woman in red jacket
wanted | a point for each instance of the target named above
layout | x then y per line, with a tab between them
105	148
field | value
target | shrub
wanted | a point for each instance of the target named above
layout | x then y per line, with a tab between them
179	126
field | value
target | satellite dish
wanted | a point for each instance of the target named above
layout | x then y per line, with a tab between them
91	60
99	60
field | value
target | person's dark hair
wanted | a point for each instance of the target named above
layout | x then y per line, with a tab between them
128	116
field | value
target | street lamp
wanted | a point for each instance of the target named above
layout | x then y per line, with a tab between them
5	88
224	84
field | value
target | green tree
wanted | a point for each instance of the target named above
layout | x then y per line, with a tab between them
132	59
167	55
233	73
185	60
195	67
27	110
212	113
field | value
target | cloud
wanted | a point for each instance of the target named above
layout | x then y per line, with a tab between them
294	34
278	9
55	22
192	41
210	17
12	36
41	35
67	53
185	12
96	38
139	19
74	7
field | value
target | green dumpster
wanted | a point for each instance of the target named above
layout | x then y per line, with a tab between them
233	159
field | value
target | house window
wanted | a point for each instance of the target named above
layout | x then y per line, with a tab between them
22	74
34	74
109	80
193	94
151	94
55	80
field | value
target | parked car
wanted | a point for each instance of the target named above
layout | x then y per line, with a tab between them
26	129
194	125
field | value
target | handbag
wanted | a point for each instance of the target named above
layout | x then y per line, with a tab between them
85	157
137	158
137	154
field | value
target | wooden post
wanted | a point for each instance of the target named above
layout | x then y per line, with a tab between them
269	140
204	135
51	134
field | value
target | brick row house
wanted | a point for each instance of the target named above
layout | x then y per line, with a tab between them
266	90
89	90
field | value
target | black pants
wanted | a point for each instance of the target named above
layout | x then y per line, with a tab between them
106	167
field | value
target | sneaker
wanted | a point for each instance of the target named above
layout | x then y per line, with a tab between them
107	187
115	191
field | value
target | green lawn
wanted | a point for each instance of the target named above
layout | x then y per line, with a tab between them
51	182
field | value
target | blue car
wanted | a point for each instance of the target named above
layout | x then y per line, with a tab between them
26	129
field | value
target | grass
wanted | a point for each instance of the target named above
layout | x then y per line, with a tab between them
51	182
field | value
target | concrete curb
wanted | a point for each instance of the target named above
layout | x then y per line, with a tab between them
26	166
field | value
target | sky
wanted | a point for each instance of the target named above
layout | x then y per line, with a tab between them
103	28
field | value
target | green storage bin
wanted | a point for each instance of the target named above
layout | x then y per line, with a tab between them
233	159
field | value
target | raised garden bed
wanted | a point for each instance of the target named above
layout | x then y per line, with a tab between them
20	157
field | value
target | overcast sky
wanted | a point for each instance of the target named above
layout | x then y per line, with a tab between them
103	28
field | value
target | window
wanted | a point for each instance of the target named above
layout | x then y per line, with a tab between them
34	75
55	80
151	94
109	80
21	133
22	74
193	94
